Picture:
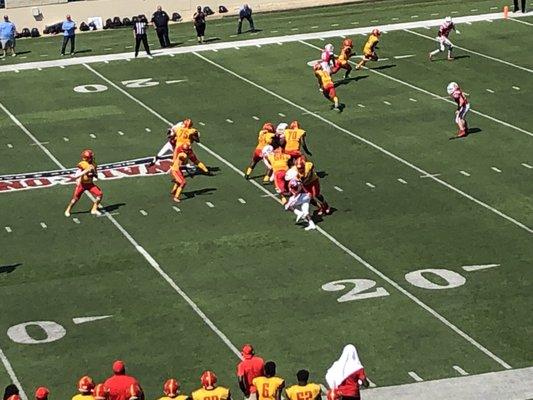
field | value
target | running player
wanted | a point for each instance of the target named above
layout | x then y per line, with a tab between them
299	204
85	175
178	161
443	38
279	163
463	106
269	387
210	390
343	61
303	390
295	140
326	86
369	50
265	138
327	58
311	184
187	135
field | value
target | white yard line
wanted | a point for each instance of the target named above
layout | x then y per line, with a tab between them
436	96
366	264
472	268
460	370
176	209
496	169
415	376
522	22
402	181
372	144
527	166
242	201
254	42
475	52
12	375
464	173
153	263
209	204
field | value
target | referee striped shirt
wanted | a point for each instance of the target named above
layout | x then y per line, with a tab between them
140	28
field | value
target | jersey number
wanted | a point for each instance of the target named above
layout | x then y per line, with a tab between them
360	286
304	396
266	393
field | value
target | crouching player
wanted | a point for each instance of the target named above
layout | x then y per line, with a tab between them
369	50
179	160
299	203
326	86
343	61
265	137
463	106
443	38
85	175
311	184
279	163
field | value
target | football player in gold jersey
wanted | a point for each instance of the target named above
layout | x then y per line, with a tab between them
270	386
303	390
210	390
171	389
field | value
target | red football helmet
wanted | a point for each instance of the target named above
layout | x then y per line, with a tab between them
87	155
208	380
268	126
376	32
100	392
187	123
85	384
171	388
294	125
347	43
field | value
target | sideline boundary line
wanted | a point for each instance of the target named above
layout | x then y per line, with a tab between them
474	52
252	42
372	144
325	234
153	263
14	379
436	96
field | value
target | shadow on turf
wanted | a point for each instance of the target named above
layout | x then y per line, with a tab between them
19	53
113	207
83	51
214	39
7	269
454	58
383	67
346	81
201	192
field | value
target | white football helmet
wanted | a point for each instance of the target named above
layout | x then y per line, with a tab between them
329	47
280	129
448	20
267	150
291	174
452	87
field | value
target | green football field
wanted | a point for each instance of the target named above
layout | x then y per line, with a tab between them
425	265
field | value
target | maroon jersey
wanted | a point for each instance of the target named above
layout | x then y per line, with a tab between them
446	28
459	97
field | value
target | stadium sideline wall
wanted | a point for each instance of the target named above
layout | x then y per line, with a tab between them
23	17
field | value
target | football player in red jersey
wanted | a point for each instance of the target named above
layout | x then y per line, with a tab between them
343	61
463	106
443	38
264	138
85	175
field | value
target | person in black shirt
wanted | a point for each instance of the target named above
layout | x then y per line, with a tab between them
516	8
199	23
160	20
139	33
245	12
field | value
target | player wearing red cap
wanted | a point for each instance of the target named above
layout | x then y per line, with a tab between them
119	385
85	176
369	50
171	389
249	368
343	61
100	392
264	138
295	140
303	390
42	393
269	387
85	389
210	390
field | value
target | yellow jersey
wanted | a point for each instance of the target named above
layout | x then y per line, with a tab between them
83	397
293	139
218	393
268	388
279	162
87	178
346	53
324	78
264	138
370	45
179	159
308	175
178	397
186	136
308	392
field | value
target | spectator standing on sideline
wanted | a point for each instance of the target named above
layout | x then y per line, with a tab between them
160	20
199	23
139	33
69	35
516	6
119	384
7	36
249	368
245	12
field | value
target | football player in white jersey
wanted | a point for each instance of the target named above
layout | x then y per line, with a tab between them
443	38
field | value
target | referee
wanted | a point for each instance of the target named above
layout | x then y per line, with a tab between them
139	33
